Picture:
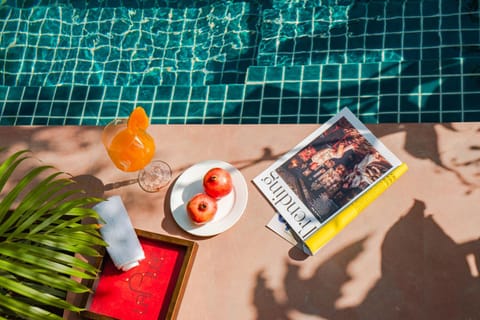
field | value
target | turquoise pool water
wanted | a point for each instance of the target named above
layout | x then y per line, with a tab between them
86	62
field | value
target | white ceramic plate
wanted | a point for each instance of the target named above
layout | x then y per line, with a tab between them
229	208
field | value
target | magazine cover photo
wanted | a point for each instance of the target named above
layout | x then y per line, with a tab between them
333	169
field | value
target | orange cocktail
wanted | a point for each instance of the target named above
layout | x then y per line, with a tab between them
127	142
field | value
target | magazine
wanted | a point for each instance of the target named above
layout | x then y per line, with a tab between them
324	182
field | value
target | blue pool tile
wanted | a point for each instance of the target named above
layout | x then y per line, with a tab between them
253	92
15	93
452	117
213	110
251	109
41	121
409	103
59	121
369	87
91	109
235	92
472	101
160	109
431	39
431	103
349	71
96	93
311	73
274	74
196	110
410	85
146	93
389	86
369	70
217	93
387	118
88	122
429	85
309	106
192	121
291	89
79	93
75	109
232	121
3	93
310	89
73	121
256	74
409	117
42	108
307	119
324	118
471	83
328	106
10	109
272	91
349	88
369	118
330	72
472	116
30	93
293	73
429	117
270	107
128	93
7	121
62	93
181	93
46	93
232	110
22	121
164	93
389	69
368	105
269	120
451	67
112	93
198	93
430	67
178	109
329	88
389	102
109	109
27	109
451	102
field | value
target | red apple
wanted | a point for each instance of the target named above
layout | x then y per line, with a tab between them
201	208
217	183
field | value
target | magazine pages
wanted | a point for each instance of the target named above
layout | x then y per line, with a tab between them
322	184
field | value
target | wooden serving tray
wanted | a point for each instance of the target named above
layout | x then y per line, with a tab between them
152	290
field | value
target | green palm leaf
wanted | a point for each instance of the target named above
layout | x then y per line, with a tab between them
43	234
24	310
28	253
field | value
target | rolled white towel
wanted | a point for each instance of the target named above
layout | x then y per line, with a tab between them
123	247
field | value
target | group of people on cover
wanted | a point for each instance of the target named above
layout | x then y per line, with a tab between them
335	168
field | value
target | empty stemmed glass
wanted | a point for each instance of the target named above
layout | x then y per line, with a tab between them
131	148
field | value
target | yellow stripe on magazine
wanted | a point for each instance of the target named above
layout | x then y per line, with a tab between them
334	226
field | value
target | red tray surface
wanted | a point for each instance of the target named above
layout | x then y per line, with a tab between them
144	292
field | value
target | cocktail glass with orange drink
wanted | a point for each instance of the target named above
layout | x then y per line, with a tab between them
131	148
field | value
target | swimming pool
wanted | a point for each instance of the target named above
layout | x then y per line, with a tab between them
86	62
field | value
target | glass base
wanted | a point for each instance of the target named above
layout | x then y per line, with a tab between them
154	176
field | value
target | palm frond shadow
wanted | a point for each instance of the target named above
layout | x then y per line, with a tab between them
424	275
